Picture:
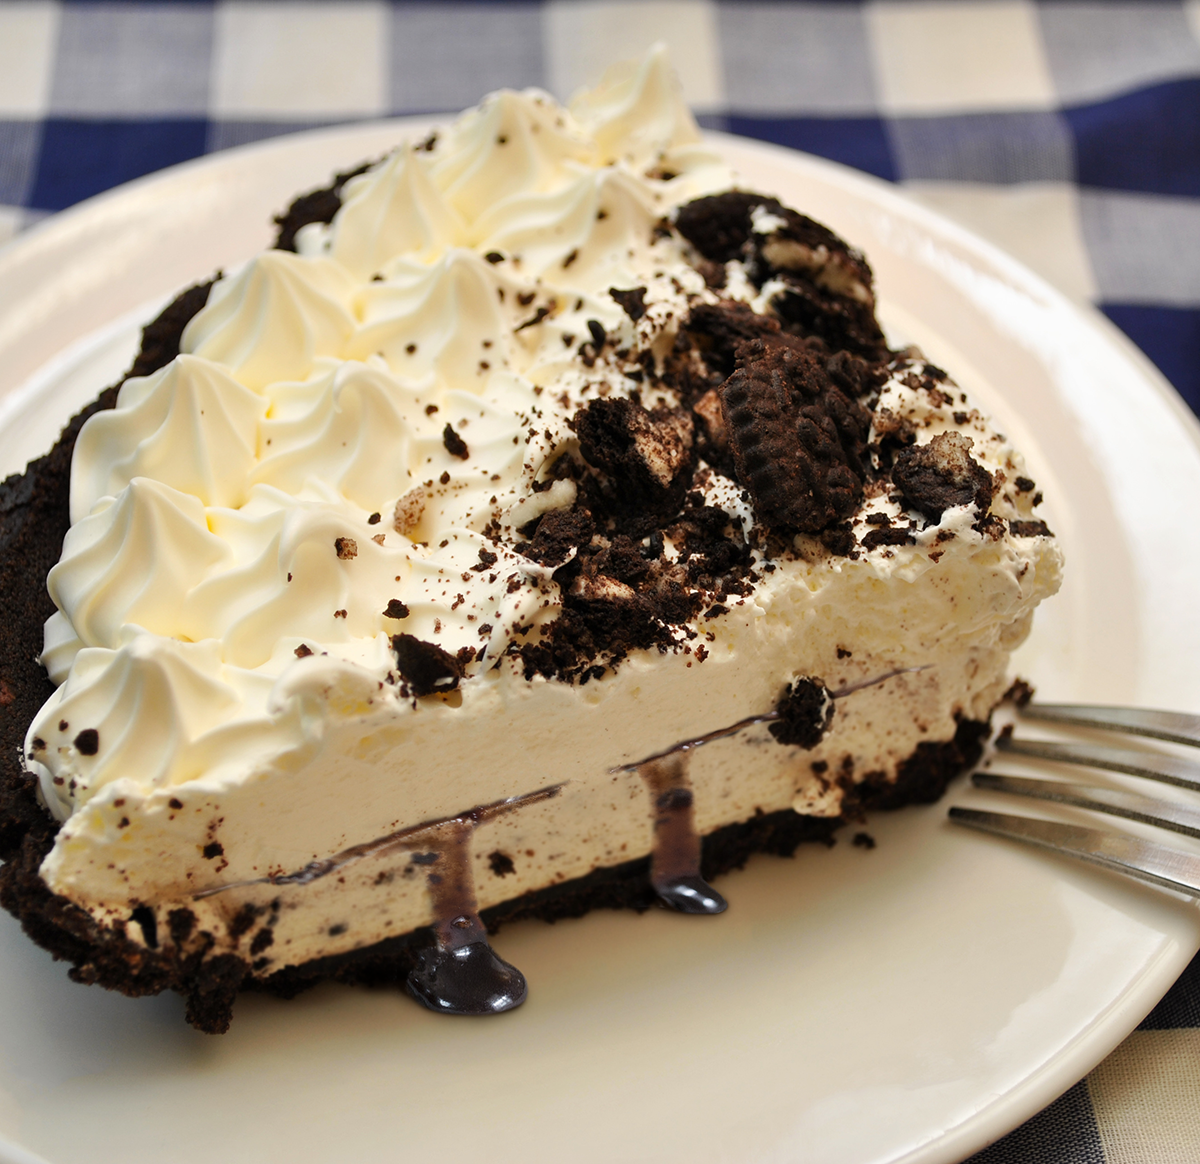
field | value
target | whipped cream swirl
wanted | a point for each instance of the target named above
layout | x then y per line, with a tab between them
322	465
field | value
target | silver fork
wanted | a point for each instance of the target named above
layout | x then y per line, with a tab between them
1146	860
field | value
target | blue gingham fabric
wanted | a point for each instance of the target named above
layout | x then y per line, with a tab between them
1066	131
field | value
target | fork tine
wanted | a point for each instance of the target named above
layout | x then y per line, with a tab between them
1173	726
1168	769
1165	814
1145	860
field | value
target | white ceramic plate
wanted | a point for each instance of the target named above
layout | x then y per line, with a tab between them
909	1004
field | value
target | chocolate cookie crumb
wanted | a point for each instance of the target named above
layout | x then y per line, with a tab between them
455	445
87	743
557	534
644	460
315	206
1019	694
942	474
395	609
632	302
598	334
718	226
717	330
501	863
826	285
425	667
887	537
805	713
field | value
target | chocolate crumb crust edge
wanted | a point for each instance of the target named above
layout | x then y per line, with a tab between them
34	519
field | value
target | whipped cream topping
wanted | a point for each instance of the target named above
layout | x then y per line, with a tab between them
343	425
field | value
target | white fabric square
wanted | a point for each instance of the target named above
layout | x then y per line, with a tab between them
131	60
323	61
1097	50
12	219
959	57
1144	1098
584	37
1191	9
795	59
28	35
1036	222
1145	248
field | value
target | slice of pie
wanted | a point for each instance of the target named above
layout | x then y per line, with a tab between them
544	524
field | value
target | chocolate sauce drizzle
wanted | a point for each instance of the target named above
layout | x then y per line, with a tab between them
685	746
460	973
675	857
409	838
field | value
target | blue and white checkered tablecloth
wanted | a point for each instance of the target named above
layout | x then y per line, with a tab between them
1067	131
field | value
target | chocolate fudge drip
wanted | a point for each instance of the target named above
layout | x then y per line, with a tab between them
460	973
675	858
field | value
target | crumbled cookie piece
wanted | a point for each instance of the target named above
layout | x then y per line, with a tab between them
455	445
716	330
425	667
805	712
1030	529
942	474
887	537
632	302
644	460
408	510
826	287
798	441
719	226
558	533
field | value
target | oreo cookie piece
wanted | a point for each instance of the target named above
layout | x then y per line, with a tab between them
799	442
643	460
942	474
827	288
719	226
315	206
425	667
805	712
558	533
716	330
